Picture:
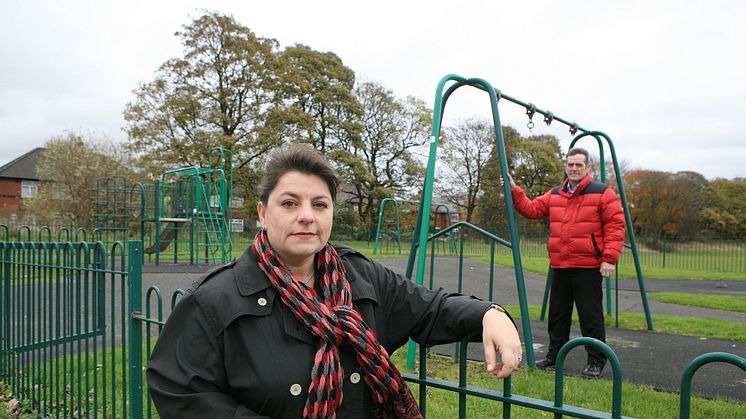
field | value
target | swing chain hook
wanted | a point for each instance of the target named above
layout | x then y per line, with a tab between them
530	111
574	128
548	118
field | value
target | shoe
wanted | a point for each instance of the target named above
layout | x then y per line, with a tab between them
546	363
592	371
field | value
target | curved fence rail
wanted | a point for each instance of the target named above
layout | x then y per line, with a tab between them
508	399
75	335
63	327
686	378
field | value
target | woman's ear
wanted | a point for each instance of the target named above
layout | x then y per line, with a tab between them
260	211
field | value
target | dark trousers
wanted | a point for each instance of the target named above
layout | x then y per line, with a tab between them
582	287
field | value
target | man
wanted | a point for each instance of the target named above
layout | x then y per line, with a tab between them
586	224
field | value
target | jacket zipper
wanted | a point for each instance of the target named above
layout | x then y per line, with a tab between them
595	245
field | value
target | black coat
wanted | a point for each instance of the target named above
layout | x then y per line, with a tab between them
232	349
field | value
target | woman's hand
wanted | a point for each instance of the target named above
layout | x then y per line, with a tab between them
500	335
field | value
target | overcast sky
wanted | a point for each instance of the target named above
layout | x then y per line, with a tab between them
666	80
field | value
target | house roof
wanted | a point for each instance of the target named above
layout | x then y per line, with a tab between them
23	167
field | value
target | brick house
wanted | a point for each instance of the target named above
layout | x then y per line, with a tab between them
18	181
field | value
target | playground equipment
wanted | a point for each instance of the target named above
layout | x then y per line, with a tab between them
397	202
116	205
194	203
186	213
422	229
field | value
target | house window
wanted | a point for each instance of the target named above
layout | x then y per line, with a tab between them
28	188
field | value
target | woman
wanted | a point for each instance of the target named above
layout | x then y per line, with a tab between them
299	328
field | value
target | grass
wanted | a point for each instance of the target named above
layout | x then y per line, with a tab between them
718	302
662	323
75	384
637	401
539	264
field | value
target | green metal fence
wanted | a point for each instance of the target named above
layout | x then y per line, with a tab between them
75	336
695	254
63	327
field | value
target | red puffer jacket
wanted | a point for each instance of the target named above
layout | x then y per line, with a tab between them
585	229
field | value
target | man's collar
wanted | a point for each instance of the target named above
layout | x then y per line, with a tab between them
567	187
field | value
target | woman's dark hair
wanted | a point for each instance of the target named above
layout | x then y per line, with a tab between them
297	157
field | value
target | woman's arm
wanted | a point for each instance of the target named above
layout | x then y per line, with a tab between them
432	317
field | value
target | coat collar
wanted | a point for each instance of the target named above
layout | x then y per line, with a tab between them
250	279
578	189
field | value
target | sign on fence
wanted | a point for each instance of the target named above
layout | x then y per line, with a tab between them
237	225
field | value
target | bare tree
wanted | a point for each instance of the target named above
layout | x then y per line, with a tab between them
380	163
69	170
466	151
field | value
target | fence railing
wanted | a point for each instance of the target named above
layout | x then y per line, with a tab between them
727	256
75	337
63	327
696	254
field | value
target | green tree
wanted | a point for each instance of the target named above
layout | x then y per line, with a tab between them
318	103
381	162
536	165
69	169
724	212
219	93
466	151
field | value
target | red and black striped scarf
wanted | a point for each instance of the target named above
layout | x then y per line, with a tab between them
330	316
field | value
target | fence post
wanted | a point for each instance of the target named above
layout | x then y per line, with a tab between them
4	302
134	297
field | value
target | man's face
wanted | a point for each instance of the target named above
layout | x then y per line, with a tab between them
576	168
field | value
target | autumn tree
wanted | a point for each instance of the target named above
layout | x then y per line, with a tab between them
536	165
218	93
381	161
690	190
658	204
465	153
318	103
724	212
69	169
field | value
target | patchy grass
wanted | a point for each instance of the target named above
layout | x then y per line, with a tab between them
637	401
685	326
540	264
718	302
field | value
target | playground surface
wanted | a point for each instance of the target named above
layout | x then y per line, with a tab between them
649	358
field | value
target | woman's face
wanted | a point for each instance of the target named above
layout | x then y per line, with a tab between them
298	216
